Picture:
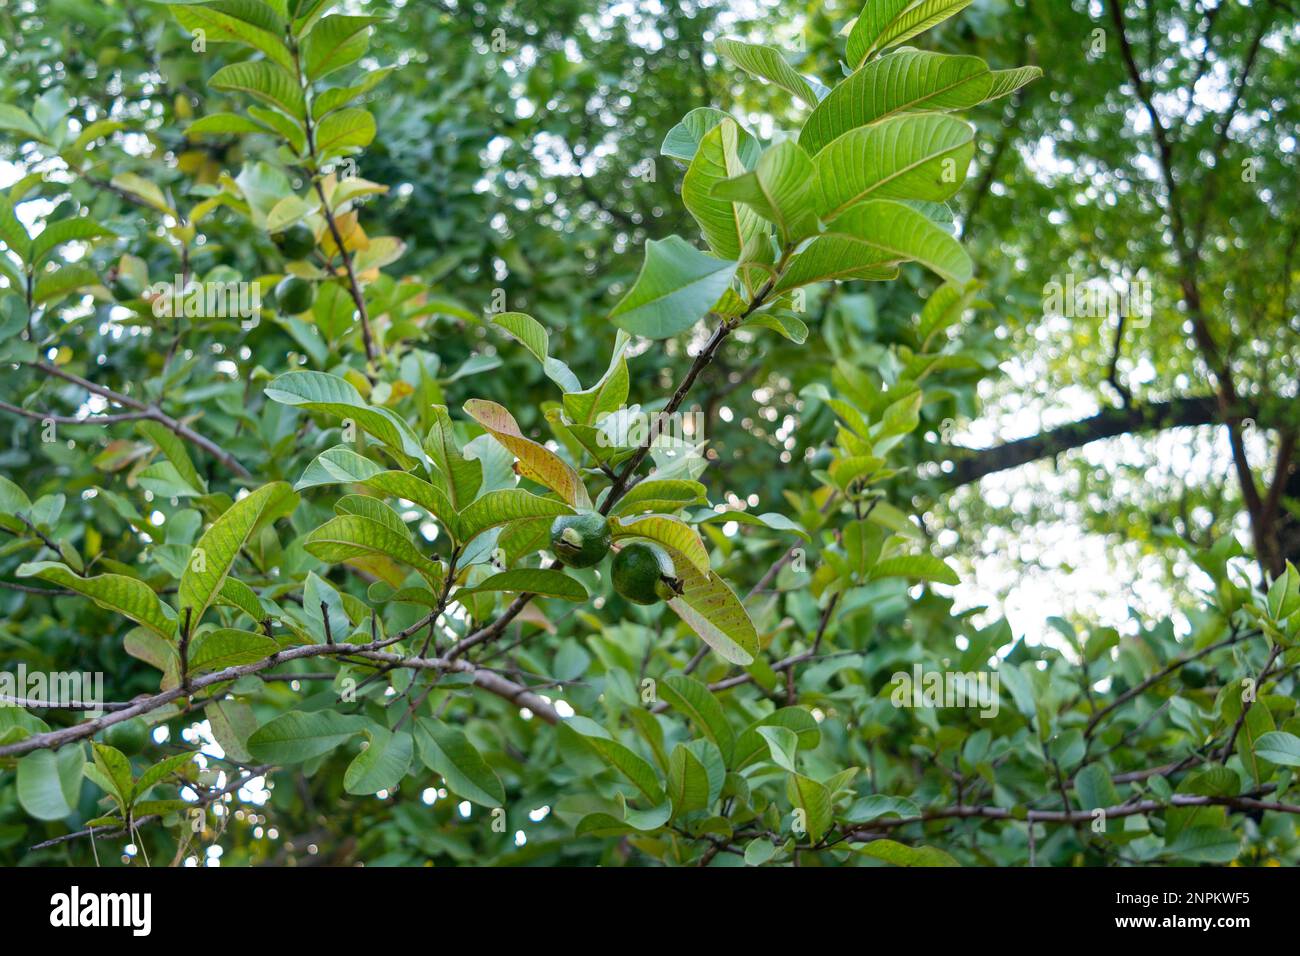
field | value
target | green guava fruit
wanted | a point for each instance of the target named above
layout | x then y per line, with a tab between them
296	242
126	287
580	540
644	573
294	295
130	736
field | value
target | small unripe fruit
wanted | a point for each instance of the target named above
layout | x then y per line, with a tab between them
581	540
126	287
644	573
130	736
296	242
294	295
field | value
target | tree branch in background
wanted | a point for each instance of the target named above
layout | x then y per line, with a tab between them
148	411
1187	253
973	464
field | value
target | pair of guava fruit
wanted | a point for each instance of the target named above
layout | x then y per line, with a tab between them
293	294
642	572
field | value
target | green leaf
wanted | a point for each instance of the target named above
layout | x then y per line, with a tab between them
337	465
780	189
112	772
759	851
681	540
219	124
782	744
334	395
902	82
334	43
1279	747
232	722
502	507
49	782
783	322
344	131
264	81
841	254
12	232
886	23
229	647
298	736
731	230
354	536
235	593
170	444
56	234
536	462
660	494
540	581
51	286
696	702
1283	598
677	286
532	335
688	782
814	799
1206	844
161	771
876	18
608	395
711	609
684	139
461	477
448	752
252	24
944	308
751	745
332	99
767	64
901	855
769	519
114	592
907	157
401	484
875	234
211	559
1094	787
1008	81
916	567
625	761
878	805
382	765
13	118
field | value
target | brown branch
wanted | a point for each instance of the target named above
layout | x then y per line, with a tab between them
1155	678
1076	816
112	829
1231	742
1225	123
1187	252
490	682
72	419
973	464
1112	374
152	412
354	286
